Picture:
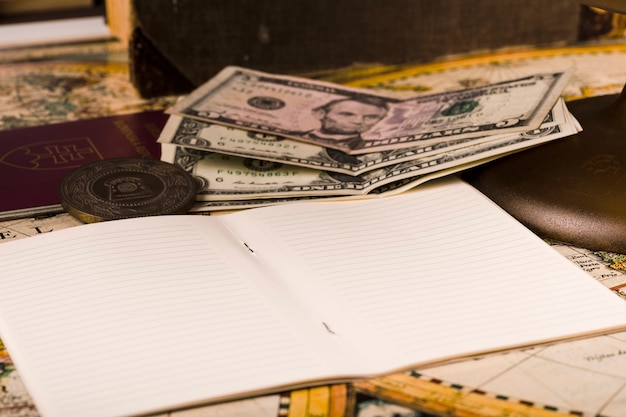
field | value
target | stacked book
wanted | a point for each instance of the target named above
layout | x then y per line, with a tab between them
253	139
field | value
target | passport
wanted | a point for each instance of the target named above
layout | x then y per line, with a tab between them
34	160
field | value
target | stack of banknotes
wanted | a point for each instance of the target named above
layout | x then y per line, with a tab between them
253	139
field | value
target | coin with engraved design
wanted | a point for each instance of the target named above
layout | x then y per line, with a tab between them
121	188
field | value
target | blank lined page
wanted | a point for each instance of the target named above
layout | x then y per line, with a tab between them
141	315
132	316
431	274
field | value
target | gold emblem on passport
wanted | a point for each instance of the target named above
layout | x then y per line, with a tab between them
127	187
52	155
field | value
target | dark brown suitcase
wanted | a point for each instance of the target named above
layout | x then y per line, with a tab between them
180	44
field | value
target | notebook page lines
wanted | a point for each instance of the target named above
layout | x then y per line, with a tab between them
458	272
175	299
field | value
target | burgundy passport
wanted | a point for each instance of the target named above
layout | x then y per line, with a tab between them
34	160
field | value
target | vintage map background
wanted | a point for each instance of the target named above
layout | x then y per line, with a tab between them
33	94
581	378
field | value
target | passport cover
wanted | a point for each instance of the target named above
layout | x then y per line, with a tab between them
34	160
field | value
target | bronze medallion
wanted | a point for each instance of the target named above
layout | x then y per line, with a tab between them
126	187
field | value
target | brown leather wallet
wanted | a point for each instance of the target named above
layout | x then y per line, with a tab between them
572	189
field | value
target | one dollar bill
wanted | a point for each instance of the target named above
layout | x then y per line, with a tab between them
231	178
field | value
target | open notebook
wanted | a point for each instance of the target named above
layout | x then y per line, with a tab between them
145	315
